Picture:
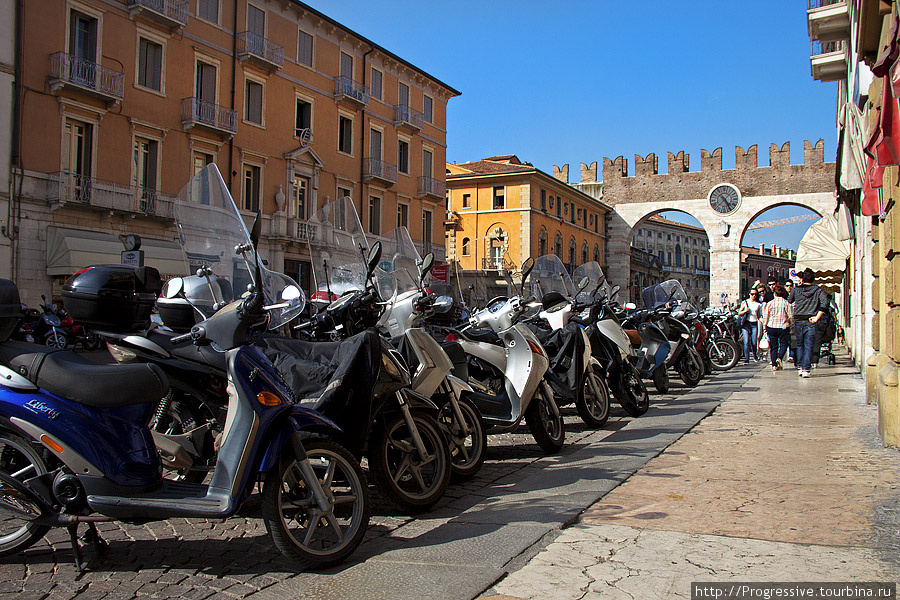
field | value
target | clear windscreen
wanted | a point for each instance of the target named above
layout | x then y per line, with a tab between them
212	234
399	260
661	293
550	275
337	251
594	274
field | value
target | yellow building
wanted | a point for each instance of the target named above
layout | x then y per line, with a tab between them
501	211
122	101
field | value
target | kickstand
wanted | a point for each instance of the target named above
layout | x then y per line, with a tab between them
91	540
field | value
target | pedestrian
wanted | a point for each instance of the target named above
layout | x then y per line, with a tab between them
750	307
792	347
778	319
761	293
769	291
809	304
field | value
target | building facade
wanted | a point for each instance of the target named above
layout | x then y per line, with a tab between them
124	101
682	252
502	210
759	264
8	24
646	270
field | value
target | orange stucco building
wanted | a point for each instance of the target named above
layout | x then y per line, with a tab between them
121	102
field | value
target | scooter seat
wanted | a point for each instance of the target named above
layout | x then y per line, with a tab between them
482	335
71	376
633	336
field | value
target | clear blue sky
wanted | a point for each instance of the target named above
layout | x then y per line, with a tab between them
572	82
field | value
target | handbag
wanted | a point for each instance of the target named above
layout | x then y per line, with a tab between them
764	343
741	320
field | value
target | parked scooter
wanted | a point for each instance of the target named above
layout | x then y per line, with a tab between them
75	453
663	302
41	327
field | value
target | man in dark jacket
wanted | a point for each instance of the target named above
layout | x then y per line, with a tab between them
808	303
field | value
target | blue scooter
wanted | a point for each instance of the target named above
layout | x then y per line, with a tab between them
75	446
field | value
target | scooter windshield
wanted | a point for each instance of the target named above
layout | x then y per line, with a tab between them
400	260
337	248
595	278
212	234
661	293
550	275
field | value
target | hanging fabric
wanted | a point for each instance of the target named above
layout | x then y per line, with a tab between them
852	162
872	190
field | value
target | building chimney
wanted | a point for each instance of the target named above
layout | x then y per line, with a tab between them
762	249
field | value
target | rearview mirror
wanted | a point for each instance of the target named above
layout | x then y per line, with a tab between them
173	287
527	267
630	305
374	257
290	293
256	230
427	264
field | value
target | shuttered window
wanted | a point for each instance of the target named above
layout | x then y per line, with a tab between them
150	65
253	103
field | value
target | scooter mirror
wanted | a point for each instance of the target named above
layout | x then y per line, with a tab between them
173	287
290	293
374	257
527	267
630	305
615	290
583	283
427	264
443	304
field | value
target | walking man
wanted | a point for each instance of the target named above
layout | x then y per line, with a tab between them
792	345
808	303
778	319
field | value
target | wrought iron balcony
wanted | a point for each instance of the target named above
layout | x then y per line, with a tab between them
828	20
197	113
828	60
258	50
109	195
350	93
408	118
67	70
380	171
429	186
169	13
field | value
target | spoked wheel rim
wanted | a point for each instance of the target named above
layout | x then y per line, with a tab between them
56	340
638	391
598	407
722	354
413	477
321	532
466	446
552	424
19	462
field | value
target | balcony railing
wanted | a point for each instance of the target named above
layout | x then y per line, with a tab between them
253	45
429	186
345	89
304	231
374	168
408	117
110	195
820	3
172	13
497	264
98	80
817	48
304	135
197	112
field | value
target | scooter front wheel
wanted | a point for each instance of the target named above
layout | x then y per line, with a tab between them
635	399
545	421
295	520
468	439
593	402
690	369
723	354
56	339
19	460
661	380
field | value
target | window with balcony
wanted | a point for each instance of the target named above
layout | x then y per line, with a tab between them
83	37
77	158
427	218
145	160
377	82
346	66
252	187
345	135
375	144
427	163
256	24
499	197
253	102
208	10
374	215
402	94
403	156
150	64
402	215
428	108
206	83
298	197
303	117
305	48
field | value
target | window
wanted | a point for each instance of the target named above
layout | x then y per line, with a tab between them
640	232
253	102
426	230
346	65
559	207
374	215
252	184
343	192
206	84
542	242
572	212
200	160
402	94
659	235
677	255
305	48
467	200
668	258
402	215
303	119
465	247
571	255
544	201
298	197
145	163
403	156
77	155
345	135
427	163
375	145
499	198
557	246
150	57
597	253
660	257
375	88
83	45
208	10
584	253
428	108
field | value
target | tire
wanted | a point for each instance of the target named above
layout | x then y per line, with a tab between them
689	369
56	339
635	399
593	408
661	380
723	354
309	536
546	427
16	455
178	419
467	451
395	468
91	341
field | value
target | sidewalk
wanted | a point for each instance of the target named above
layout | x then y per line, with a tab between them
784	481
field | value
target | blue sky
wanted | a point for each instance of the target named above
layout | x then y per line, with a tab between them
572	82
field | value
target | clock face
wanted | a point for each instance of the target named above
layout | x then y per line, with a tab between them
724	198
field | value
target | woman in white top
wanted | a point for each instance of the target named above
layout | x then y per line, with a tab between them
752	309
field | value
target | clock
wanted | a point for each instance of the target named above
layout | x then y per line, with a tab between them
132	241
724	198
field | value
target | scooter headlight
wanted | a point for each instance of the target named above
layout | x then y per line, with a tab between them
120	354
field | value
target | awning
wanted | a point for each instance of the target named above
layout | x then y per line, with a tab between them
821	249
69	250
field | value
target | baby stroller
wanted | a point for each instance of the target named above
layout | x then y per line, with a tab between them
826	331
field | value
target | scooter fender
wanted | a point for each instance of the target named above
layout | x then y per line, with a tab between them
525	366
300	420
457	385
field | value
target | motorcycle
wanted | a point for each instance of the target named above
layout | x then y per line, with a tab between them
722	352
74	453
41	327
665	302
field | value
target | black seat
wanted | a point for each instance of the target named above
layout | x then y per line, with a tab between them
482	335
71	376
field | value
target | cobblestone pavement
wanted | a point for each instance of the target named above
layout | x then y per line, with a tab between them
199	558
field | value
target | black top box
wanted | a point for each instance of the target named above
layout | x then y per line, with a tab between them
115	298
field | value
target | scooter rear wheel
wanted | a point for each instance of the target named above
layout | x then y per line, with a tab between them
545	421
593	406
723	354
19	460
635	399
299	528
661	380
